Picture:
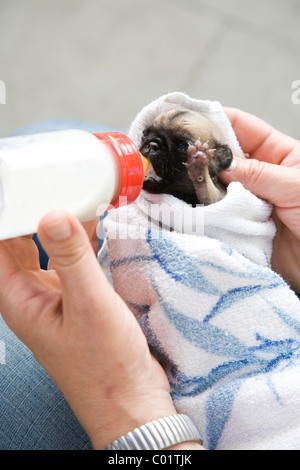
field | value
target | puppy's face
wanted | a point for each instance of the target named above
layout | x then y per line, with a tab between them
167	143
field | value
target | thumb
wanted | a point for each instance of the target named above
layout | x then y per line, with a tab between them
274	183
67	244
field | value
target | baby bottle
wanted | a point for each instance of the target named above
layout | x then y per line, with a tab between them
72	170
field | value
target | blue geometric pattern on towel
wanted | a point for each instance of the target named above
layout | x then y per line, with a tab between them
246	362
221	396
238	361
290	322
234	295
241	361
167	254
214	340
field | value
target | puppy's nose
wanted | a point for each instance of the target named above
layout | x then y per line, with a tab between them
154	146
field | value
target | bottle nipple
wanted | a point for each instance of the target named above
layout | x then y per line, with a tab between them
146	163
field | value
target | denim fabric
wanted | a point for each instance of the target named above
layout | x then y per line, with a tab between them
33	413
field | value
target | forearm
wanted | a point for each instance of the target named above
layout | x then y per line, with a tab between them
191	445
122	419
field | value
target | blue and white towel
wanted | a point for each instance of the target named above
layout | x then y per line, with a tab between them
225	327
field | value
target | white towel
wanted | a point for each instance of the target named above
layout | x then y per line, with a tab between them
225	327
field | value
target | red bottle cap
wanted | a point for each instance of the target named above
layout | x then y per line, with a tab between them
131	166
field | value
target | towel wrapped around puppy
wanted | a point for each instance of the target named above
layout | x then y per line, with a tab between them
225	327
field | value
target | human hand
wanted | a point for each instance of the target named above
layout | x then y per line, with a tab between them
91	228
272	172
81	332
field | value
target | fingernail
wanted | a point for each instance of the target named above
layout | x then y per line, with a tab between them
58	230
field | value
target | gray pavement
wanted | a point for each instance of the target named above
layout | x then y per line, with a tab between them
103	60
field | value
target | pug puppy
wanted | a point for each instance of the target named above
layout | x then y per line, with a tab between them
187	152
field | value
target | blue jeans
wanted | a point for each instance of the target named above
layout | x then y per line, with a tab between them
33	413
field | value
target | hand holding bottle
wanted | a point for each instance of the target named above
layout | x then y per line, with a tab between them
81	332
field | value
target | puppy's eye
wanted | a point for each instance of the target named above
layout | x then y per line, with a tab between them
182	146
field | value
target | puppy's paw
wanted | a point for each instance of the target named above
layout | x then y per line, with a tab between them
199	156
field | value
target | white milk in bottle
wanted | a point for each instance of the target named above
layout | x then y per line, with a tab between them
70	170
